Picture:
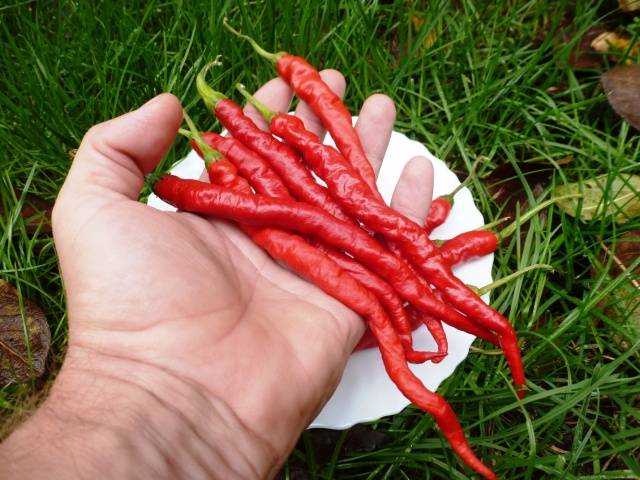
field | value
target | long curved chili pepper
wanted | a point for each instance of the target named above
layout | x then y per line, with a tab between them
282	158
309	87
340	285
204	198
477	243
312	264
265	180
357	199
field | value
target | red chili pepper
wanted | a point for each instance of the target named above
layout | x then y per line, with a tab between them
468	245
309	86
282	158
264	180
200	197
339	284
357	199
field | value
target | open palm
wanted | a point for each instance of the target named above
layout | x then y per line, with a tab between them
194	299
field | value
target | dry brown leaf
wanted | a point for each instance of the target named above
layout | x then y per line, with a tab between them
612	43
622	86
432	35
629	5
21	361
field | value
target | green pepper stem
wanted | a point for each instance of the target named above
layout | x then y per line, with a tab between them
464	183
261	107
502	281
511	228
209	96
209	155
493	224
272	57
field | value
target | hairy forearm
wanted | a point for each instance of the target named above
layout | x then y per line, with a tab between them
111	423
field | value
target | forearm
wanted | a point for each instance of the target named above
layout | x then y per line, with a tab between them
101	424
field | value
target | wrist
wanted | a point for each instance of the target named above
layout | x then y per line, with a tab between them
118	418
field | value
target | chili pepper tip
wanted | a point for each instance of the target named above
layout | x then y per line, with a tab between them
273	57
209	96
261	107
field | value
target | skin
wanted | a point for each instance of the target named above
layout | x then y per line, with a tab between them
191	353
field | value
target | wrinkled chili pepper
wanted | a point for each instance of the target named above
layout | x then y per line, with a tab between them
343	287
309	86
200	197
282	158
357	199
265	180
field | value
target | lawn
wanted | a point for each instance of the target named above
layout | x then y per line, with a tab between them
471	79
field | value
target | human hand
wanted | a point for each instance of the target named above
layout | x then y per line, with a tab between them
186	341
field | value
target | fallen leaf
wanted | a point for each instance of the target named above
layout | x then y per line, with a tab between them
622	199
21	361
614	45
622	86
629	5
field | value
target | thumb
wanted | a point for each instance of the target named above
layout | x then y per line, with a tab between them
115	155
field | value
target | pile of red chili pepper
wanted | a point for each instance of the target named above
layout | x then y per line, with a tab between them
344	238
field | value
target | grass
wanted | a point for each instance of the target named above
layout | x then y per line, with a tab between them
494	83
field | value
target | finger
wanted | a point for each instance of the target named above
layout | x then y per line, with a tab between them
276	95
374	127
337	84
115	155
412	196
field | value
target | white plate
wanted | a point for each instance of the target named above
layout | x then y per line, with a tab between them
365	392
